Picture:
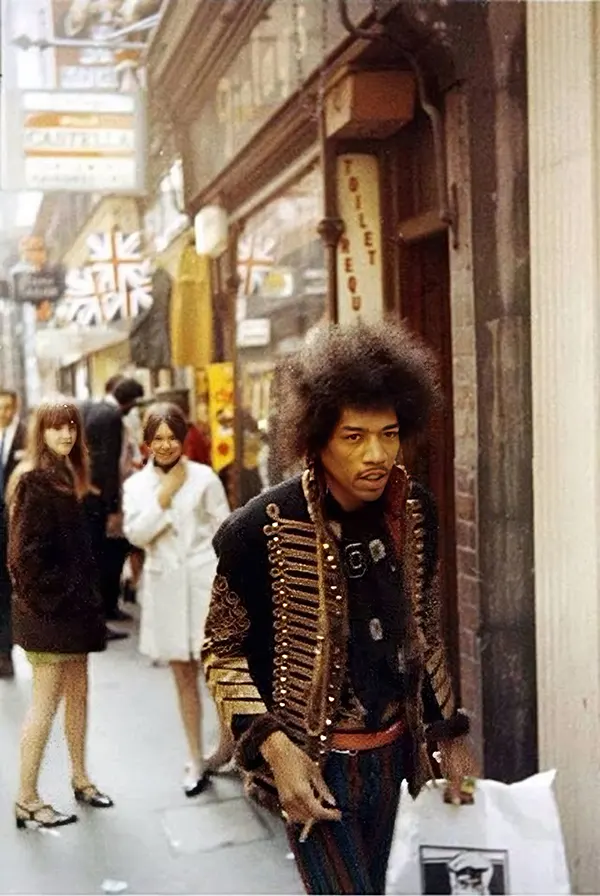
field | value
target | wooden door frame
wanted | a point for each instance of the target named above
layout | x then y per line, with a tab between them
395	182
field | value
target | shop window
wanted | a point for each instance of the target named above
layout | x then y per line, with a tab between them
282	296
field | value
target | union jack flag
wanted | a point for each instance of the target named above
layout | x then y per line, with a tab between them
256	257
114	285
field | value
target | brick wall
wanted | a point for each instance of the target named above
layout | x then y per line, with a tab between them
468	598
465	417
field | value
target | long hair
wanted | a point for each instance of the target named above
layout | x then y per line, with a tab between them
53	413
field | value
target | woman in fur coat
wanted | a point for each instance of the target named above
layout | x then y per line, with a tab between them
172	510
57	612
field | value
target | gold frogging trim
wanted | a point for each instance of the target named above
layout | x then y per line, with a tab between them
427	613
232	686
291	547
226	670
330	668
309	610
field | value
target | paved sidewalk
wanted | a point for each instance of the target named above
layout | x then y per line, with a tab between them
154	840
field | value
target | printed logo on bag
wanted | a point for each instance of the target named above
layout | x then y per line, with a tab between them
463	871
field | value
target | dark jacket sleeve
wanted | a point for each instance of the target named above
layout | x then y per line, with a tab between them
233	610
34	551
16	451
441	716
104	433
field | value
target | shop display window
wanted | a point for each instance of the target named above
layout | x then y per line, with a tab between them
282	296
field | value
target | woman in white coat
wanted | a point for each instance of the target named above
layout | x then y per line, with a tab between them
172	509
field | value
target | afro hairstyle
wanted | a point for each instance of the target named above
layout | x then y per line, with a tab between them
363	366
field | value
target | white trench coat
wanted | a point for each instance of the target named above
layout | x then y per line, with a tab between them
180	562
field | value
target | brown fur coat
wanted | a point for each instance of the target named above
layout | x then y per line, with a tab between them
56	603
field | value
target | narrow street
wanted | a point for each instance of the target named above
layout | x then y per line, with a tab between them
154	840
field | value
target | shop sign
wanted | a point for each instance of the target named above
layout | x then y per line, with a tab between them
97	20
94	68
39	287
75	142
360	271
254	332
282	51
100	67
221	414
278	284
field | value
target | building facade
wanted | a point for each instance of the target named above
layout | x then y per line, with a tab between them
371	159
564	138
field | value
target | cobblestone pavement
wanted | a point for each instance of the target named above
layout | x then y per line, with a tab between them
154	840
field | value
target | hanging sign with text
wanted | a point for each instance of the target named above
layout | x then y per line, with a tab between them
39	286
360	272
75	141
102	63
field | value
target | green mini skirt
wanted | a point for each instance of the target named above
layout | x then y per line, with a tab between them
45	658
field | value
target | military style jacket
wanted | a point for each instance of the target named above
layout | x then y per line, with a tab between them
276	647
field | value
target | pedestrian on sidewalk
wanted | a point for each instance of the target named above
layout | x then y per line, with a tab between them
107	437
13	437
57	610
196	445
323	645
172	510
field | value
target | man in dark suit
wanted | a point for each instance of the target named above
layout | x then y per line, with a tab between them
13	437
104	430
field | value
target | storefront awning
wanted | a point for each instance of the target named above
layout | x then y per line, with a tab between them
67	345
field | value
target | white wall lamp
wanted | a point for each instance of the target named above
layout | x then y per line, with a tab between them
210	227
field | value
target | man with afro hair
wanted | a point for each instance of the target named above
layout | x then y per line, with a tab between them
323	645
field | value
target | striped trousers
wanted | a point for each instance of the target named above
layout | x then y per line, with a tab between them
351	855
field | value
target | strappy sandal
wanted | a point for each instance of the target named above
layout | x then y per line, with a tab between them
89	795
25	816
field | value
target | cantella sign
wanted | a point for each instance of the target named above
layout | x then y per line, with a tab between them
71	141
360	280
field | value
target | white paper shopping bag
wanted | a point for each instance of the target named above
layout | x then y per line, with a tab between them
509	841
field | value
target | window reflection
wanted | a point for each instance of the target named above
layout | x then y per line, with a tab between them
281	266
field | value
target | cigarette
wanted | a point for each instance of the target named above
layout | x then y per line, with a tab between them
306	830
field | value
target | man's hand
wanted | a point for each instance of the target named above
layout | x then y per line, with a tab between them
459	769
303	794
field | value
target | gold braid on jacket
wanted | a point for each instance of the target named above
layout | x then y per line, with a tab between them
275	654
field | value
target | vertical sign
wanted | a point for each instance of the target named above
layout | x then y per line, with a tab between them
221	414
360	270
